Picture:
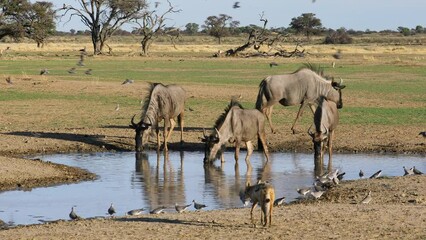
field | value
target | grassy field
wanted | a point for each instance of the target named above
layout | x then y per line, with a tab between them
385	83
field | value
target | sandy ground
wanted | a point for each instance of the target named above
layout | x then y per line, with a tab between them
398	209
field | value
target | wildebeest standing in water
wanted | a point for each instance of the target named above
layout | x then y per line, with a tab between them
236	125
162	103
303	87
326	119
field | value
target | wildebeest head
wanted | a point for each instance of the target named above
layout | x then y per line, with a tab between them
140	128
338	86
318	138
211	146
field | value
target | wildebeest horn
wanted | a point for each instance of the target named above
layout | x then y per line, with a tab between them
341	81
134	125
310	132
326	130
217	132
204	133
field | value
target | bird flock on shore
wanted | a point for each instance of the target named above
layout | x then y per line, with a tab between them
316	191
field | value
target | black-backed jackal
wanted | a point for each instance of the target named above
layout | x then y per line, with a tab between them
264	195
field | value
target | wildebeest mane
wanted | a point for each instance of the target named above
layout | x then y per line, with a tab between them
147	98
317	68
221	118
318	113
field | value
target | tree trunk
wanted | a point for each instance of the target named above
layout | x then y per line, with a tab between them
96	40
145	45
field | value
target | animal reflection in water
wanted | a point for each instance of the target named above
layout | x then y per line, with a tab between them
226	191
236	125
162	103
161	187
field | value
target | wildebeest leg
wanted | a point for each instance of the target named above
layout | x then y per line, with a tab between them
299	114
157	132
249	151
168	132
262	138
267	110
180	118
322	153
237	150
312	107
330	151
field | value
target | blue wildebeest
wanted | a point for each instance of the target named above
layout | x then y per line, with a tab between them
162	103
303	87
236	125
326	119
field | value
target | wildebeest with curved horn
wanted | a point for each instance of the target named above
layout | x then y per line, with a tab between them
326	119
162	103
236	125
303	87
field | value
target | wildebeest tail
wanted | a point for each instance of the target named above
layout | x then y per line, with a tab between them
263	92
179	118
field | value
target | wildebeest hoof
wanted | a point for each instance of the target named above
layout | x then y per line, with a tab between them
295	131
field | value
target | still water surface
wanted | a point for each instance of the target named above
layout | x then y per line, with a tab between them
151	180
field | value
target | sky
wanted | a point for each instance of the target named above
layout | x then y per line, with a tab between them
351	14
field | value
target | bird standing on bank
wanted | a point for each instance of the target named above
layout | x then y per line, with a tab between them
111	210
303	191
198	206
73	215
279	201
361	174
157	210
417	171
135	212
181	209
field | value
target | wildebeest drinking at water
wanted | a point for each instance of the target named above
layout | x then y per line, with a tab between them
303	87
238	125
326	119
162	103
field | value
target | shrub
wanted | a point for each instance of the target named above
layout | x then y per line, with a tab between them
338	37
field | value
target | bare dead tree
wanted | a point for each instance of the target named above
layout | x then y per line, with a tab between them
151	25
104	17
263	37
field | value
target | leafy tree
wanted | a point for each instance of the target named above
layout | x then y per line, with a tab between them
219	26
20	18
41	22
191	28
419	29
404	30
307	23
105	17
